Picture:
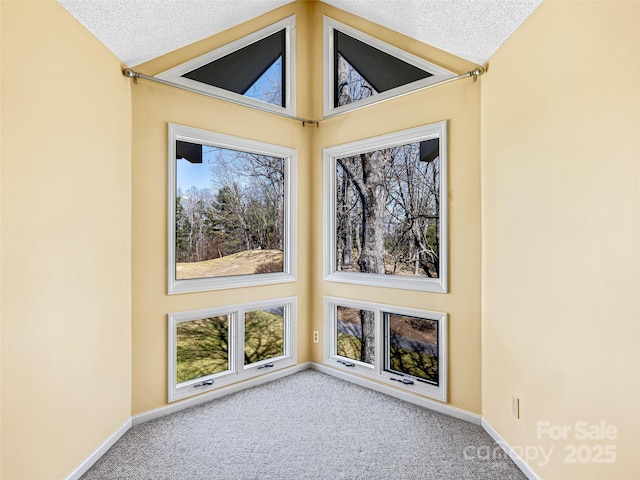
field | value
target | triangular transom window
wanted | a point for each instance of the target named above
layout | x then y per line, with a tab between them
257	70
360	69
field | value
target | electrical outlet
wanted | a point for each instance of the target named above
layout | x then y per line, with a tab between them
515	406
316	337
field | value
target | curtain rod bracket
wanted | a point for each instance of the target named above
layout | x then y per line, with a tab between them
127	72
475	73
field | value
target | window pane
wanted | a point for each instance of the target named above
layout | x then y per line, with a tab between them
355	335
268	88
263	334
241	70
351	86
230	209
202	347
388	211
412	346
368	70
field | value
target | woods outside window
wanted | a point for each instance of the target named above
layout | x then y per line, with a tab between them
230	211
386	210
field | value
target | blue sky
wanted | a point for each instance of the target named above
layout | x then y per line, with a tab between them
192	174
268	80
213	172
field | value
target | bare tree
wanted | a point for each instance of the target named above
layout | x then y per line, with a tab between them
366	173
413	212
345	206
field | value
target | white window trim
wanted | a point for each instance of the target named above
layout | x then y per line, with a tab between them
330	155
330	336
204	137
329	25
237	370
377	372
288	24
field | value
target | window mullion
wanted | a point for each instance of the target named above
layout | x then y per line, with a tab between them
239	341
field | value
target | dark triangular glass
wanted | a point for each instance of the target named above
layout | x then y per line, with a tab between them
239	71
377	68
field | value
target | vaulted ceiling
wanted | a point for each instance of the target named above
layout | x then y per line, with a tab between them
139	30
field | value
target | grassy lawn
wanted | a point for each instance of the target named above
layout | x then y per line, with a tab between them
420	365
263	336
202	346
241	263
349	346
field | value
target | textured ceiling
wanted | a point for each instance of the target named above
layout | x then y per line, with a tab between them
139	30
470	29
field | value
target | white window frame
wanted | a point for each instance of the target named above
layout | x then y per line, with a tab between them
174	74
331	338
330	156
204	137
237	370
378	371
329	25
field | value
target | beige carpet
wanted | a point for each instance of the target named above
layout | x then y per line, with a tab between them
305	426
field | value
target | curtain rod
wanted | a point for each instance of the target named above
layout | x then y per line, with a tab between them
127	72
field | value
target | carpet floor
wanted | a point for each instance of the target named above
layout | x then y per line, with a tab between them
305	426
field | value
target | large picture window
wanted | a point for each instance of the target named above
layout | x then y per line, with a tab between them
386	210
399	346
215	347
230	211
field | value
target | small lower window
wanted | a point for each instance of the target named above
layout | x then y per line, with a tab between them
411	347
355	334
264	335
402	347
202	348
215	347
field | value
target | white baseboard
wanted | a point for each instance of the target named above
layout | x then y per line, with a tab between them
517	459
402	395
221	392
88	462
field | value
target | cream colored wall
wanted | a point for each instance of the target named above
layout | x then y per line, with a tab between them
1	116
154	106
459	104
561	235
1	150
65	236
